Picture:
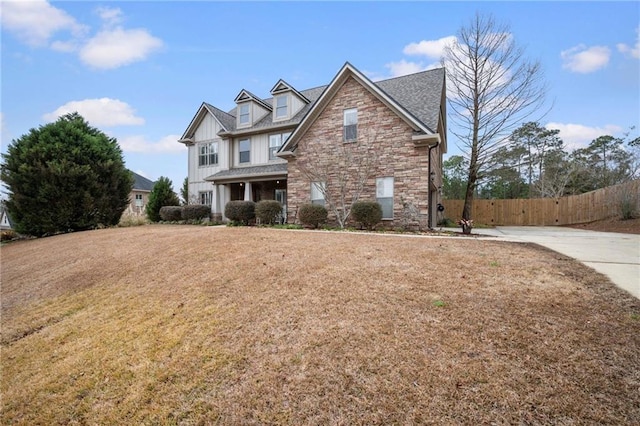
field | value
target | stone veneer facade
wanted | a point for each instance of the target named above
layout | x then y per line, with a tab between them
395	156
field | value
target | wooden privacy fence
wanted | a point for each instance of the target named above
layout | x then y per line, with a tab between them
595	205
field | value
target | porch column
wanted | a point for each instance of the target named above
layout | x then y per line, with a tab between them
215	207
247	191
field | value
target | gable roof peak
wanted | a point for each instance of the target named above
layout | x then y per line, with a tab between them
246	95
282	86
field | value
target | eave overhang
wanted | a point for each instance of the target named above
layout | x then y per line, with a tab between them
249	177
420	140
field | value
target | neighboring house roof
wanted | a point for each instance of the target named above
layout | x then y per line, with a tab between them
267	171
141	183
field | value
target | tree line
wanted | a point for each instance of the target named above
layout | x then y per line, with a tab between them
535	163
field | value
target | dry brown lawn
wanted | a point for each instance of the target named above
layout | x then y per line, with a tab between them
216	325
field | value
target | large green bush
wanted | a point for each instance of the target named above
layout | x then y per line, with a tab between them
267	211
367	213
170	213
65	176
161	195
312	215
242	212
196	212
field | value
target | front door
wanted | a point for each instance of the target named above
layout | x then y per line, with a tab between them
281	197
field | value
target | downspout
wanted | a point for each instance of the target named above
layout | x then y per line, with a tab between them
430	196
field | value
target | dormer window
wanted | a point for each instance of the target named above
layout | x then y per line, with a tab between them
244	114
282	107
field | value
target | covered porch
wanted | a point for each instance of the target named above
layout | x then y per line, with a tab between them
255	183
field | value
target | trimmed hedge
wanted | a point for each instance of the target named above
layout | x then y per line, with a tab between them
367	213
240	211
267	211
171	213
196	212
312	215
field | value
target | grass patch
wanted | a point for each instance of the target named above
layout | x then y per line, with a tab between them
224	325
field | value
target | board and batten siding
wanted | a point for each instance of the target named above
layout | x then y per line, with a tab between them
205	133
259	151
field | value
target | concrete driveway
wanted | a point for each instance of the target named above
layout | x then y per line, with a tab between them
615	255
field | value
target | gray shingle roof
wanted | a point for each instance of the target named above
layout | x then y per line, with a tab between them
420	94
243	172
141	183
227	120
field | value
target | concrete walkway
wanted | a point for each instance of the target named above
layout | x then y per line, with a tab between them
613	254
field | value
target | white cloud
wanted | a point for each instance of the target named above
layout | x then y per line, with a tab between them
110	16
430	48
168	144
579	136
583	59
632	51
35	22
398	69
113	48
99	112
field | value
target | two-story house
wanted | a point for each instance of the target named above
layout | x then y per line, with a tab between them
391	134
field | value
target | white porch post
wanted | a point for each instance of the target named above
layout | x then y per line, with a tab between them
247	191
215	208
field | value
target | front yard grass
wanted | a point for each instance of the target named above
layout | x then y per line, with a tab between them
222	325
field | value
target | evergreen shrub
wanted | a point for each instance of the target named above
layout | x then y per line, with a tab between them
171	213
312	215
267	211
242	212
367	213
196	212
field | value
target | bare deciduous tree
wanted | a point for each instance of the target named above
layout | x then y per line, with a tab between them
493	88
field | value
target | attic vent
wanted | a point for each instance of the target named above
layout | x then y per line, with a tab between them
280	88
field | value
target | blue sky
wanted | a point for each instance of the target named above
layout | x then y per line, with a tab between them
140	70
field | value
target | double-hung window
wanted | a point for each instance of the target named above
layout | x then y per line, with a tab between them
244	151
384	196
244	115
208	154
206	197
139	200
317	192
275	142
350	124
282	107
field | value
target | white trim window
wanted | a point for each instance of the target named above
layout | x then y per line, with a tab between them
208	155
244	115
206	197
244	151
317	192
350	123
139	200
384	196
275	142
282	107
